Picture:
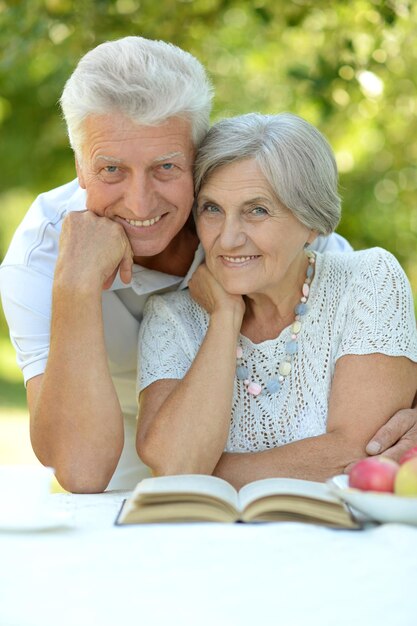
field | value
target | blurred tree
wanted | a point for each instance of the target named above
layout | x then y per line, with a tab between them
348	67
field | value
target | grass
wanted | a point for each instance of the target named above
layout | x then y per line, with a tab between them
12	389
12	394
15	444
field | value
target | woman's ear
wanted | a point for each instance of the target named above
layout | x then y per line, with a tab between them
311	237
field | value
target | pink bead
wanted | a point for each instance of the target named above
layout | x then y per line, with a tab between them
239	352
306	290
254	389
246	382
293	336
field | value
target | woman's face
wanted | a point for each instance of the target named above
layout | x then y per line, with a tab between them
251	240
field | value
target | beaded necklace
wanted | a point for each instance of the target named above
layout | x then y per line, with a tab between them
273	385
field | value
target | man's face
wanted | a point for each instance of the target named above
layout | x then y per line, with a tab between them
139	176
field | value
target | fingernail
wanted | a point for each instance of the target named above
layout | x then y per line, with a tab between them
373	447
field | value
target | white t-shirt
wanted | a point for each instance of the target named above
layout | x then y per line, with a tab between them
359	303
26	277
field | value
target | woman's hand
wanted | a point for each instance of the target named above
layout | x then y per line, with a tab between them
209	294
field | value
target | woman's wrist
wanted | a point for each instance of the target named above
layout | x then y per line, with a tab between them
229	320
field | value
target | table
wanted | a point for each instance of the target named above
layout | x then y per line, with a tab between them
94	573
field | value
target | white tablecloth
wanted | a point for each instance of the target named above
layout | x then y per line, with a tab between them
93	573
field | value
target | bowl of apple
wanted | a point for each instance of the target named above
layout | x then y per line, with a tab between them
381	489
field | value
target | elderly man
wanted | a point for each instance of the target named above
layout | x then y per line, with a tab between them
88	254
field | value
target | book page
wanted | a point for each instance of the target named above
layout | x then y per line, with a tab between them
283	486
201	484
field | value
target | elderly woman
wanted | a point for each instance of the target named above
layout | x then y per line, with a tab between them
302	355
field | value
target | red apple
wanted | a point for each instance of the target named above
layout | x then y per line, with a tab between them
406	479
412	452
373	474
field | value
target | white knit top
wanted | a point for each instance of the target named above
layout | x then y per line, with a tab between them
360	303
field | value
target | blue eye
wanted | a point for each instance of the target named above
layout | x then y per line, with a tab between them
259	210
210	208
167	166
111	169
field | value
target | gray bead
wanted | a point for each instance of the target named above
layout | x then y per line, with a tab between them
301	308
291	347
242	372
273	386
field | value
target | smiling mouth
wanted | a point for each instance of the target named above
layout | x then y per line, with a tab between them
143	223
239	259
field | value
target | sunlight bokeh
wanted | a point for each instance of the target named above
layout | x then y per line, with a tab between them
349	68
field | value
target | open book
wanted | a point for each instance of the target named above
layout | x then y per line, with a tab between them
201	498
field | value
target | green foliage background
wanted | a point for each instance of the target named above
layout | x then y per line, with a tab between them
348	67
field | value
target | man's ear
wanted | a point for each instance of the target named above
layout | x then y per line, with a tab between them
80	174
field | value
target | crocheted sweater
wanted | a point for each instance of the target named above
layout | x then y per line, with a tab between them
360	303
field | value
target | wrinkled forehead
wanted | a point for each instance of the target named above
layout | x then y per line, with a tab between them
237	175
112	134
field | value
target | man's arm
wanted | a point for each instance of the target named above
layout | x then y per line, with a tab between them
76	422
397	435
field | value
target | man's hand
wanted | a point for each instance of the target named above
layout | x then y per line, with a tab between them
93	249
209	294
395	437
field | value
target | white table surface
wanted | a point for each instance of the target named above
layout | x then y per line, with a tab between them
93	573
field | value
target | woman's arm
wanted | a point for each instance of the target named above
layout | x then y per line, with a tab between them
366	391
183	424
395	436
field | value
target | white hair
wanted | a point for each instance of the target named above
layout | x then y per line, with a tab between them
148	81
293	155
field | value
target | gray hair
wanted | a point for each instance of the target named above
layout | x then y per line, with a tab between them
293	155
148	81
